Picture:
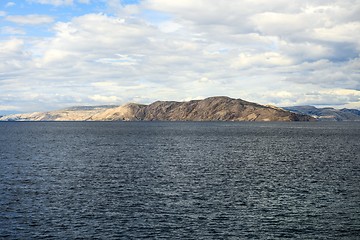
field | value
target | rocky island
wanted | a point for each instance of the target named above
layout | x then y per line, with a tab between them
209	109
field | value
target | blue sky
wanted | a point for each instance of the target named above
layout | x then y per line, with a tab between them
60	53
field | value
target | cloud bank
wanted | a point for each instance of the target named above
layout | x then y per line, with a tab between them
272	52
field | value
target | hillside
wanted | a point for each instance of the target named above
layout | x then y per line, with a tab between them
327	114
209	109
81	113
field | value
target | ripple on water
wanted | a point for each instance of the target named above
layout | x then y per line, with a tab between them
179	180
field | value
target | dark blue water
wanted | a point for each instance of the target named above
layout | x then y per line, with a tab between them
179	180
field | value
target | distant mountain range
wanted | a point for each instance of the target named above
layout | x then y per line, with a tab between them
209	109
327	114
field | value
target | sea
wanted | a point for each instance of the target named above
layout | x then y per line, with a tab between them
179	180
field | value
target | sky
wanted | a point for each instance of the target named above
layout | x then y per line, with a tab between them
60	53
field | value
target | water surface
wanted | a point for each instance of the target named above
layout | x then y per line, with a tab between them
179	180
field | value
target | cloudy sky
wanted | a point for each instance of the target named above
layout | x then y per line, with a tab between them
60	53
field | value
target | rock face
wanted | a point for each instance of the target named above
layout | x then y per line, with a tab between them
218	109
209	109
327	114
127	112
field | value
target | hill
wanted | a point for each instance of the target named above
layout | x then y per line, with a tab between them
327	114
209	109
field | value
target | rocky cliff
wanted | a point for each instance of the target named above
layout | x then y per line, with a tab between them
209	109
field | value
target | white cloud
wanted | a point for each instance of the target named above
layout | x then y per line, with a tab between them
54	2
327	74
266	59
344	33
2	13
330	97
305	51
279	52
120	59
8	108
105	99
60	2
272	23
13	56
12	31
32	19
10	4
169	27
354	94
119	9
104	84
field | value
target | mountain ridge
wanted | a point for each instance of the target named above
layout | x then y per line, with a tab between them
219	108
327	113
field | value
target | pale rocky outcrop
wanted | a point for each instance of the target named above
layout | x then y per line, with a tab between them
127	112
83	113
